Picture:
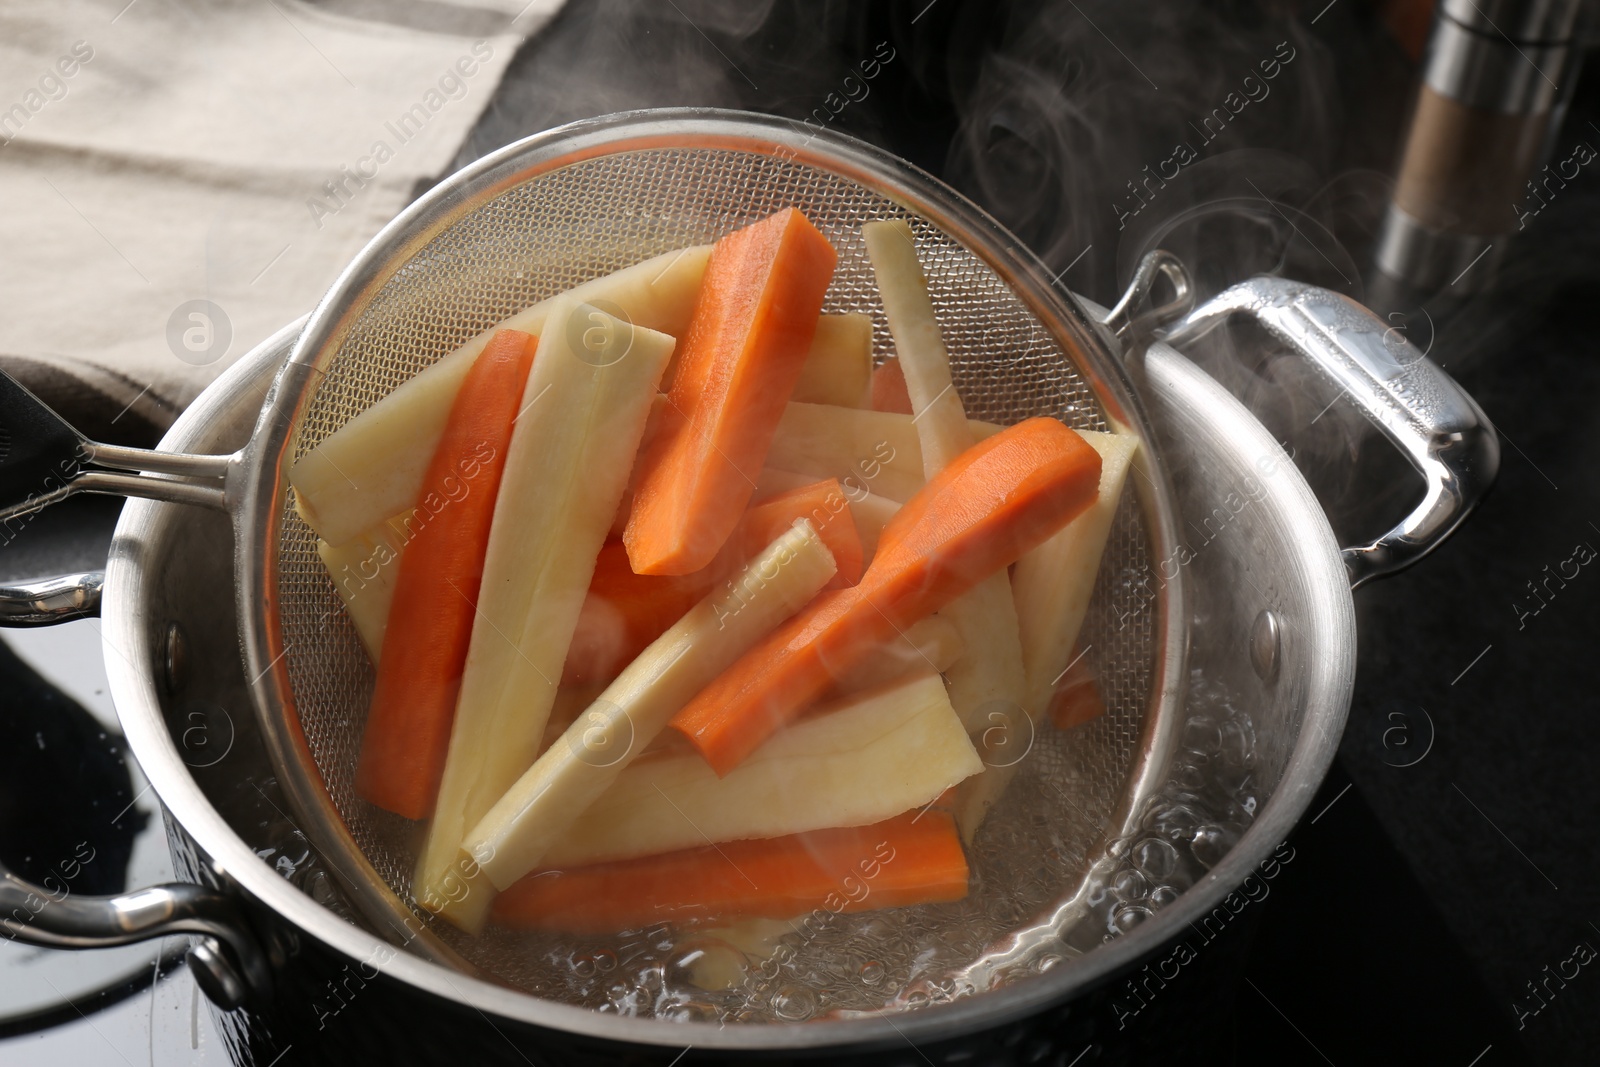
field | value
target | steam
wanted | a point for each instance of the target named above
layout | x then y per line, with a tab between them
1094	130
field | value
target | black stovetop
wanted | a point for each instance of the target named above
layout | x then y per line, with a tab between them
1442	893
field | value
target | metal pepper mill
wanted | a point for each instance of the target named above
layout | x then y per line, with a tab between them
1496	77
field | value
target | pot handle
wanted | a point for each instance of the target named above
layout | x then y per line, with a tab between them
226	959
1419	407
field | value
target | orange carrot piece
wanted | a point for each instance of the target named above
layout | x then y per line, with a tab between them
624	612
430	618
740	359
991	504
826	506
1077	698
914	858
889	392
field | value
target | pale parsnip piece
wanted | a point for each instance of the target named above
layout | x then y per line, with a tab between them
364	571
933	643
600	744
572	447
875	451
988	679
870	512
878	755
1053	584
838	369
372	467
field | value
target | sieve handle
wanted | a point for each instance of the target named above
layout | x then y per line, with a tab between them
1419	407
43	460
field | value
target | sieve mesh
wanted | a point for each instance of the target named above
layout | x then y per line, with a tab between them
589	218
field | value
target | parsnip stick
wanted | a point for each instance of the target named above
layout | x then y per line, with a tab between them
583	414
838	369
878	451
372	467
534	813
875	756
988	679
1053	584
364	571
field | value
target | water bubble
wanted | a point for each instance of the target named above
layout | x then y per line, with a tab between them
1162	895
1238	742
1128	916
794	1002
872	972
1129	885
1210	843
1155	858
1201	734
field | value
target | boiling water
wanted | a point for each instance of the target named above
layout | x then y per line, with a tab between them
1036	842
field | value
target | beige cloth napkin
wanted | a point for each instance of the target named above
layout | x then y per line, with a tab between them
180	179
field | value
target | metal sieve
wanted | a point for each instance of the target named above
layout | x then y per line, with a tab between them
546	216
1269	634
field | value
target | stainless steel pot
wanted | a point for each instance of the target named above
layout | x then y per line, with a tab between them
1262	608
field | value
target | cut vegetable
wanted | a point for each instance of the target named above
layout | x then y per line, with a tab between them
623	612
931	644
870	511
742	354
372	467
1052	585
430	619
546	801
823	504
915	858
868	451
989	679
838	369
998	500
363	571
876	754
1054	582
889	388
579	423
1076	699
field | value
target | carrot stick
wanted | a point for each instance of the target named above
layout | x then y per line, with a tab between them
1077	698
889	392
914	858
624	611
994	502
430	618
741	357
825	505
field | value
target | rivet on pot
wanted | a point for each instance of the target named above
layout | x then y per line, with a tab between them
1266	643
175	658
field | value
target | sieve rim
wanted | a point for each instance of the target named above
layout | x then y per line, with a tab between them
1059	312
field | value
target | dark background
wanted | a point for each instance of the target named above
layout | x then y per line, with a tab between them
1449	859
